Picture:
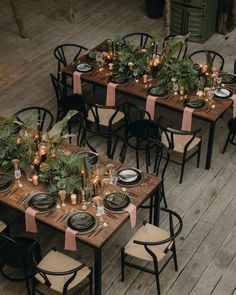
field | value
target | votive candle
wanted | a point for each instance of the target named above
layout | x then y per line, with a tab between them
35	179
73	199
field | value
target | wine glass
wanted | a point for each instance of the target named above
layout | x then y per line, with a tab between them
17	174
100	213
100	60
135	73
218	81
62	194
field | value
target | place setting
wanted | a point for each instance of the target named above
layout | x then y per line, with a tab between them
129	177
6	183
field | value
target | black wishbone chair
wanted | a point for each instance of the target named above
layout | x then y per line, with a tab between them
152	244
43	117
61	273
18	253
181	53
140	39
157	157
108	143
67	103
200	57
231	134
186	143
66	53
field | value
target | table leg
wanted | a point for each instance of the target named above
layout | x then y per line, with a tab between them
98	271
156	207
210	145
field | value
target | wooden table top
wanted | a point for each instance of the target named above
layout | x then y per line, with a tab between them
138	89
139	194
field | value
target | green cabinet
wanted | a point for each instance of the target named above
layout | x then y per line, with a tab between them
195	16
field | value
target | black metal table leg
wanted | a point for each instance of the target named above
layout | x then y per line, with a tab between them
98	271
210	145
156	207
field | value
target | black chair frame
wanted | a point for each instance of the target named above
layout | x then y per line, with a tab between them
231	135
213	55
147	245
42	113
144	38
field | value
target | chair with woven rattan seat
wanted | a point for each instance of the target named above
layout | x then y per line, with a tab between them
185	143
152	245
66	103
18	254
42	118
140	39
66	53
231	134
138	128
3	227
61	274
200	57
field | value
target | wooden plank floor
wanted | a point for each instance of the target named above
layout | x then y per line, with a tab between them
206	199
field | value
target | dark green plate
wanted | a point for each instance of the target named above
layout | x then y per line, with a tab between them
118	78
228	78
6	180
158	91
84	68
195	103
42	201
81	221
116	201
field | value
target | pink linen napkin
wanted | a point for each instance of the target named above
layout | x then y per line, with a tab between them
131	208
30	223
187	119
150	106
77	82
111	94
70	239
234	105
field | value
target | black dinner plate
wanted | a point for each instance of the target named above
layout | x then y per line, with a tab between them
82	221
6	181
228	78
91	156
195	103
42	201
116	201
129	176
222	93
118	78
84	68
158	91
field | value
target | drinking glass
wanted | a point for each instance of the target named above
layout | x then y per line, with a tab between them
135	73
100	213
62	194
17	174
218	81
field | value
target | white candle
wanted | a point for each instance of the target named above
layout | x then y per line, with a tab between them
73	199
35	179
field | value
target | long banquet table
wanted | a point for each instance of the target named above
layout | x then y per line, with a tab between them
139	194
139	91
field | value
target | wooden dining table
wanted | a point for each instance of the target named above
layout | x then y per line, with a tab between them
16	198
139	90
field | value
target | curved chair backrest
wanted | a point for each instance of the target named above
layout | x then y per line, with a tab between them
134	112
66	53
77	125
107	143
43	118
182	50
140	39
200	57
175	229
58	87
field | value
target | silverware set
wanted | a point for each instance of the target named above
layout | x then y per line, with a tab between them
23	198
96	231
146	180
11	191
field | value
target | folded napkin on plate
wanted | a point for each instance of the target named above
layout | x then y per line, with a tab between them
70	239
131	208
150	106
234	105
111	94
30	223
77	83
187	119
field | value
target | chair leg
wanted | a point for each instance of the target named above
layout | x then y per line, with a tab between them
199	154
226	143
91	283
151	209
122	264
34	284
175	257
182	168
27	282
157	278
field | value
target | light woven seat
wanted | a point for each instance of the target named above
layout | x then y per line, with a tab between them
105	116
3	226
